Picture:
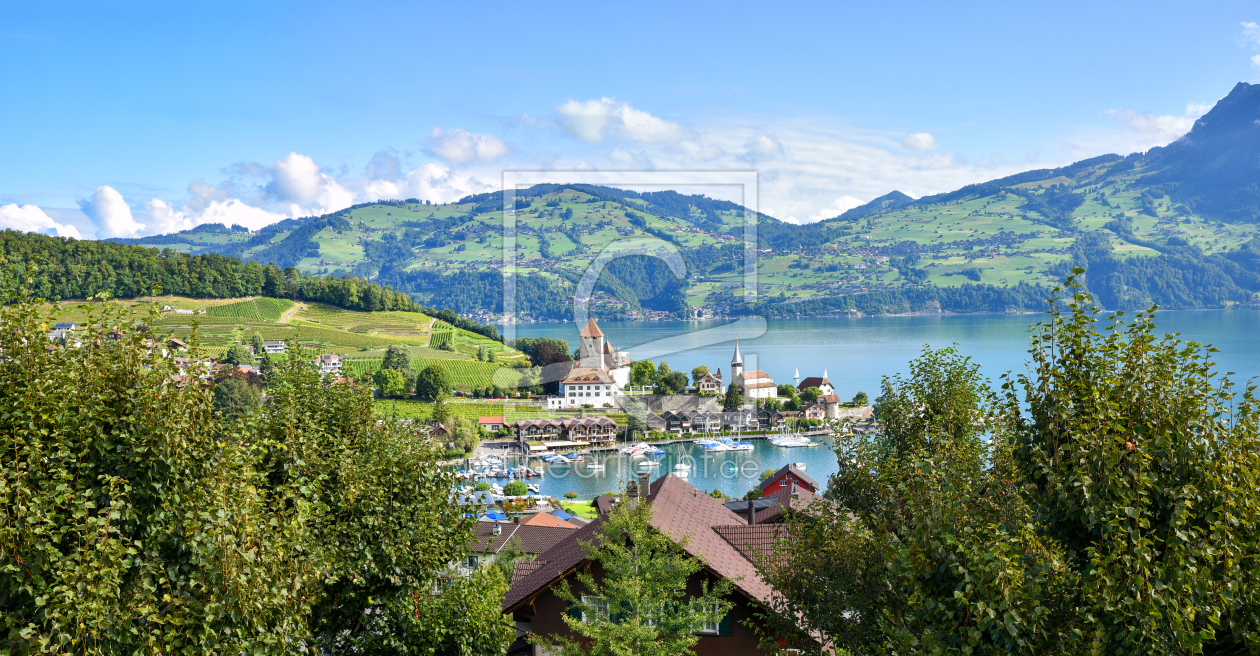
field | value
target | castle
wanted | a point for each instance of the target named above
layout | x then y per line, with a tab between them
755	384
601	374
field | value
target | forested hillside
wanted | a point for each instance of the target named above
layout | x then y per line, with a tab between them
1174	226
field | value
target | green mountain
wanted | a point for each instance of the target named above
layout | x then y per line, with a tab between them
1175	226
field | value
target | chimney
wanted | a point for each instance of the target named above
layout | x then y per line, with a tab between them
497	529
752	513
645	480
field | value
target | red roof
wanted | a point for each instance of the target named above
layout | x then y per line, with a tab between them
591	330
789	469
490	420
546	519
813	381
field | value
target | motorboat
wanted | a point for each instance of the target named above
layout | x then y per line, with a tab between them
656	453
533	488
648	464
799	465
636	449
714	447
682	466
574	457
741	446
789	441
594	465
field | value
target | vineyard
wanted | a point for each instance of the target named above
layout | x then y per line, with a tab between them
440	339
254	309
418	410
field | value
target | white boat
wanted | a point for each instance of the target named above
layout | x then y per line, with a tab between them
648	464
594	465
715	447
636	448
682	466
788	441
799	465
741	446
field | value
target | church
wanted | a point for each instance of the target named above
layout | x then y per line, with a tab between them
602	373
755	384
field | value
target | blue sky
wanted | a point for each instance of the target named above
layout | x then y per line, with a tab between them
136	118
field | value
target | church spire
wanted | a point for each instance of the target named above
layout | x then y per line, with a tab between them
737	359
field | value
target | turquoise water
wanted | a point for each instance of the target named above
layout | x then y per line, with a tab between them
855	353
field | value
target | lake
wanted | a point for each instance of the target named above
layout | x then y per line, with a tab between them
855	353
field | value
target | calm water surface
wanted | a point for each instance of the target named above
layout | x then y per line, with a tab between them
855	353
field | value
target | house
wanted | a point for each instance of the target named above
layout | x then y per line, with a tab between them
273	346
175	344
676	422
329	363
604	503
776	506
787	476
655	422
539	435
705	529
711	383
439	432
824	386
704	421
601	374
492	424
548	519
830	404
739	420
490	538
814	411
755	384
770	419
60	331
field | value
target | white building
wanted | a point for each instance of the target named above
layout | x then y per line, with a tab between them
754	384
602	373
273	346
824	386
329	363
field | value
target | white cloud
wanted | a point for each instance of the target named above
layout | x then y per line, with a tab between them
1250	35
627	159
1255	61
836	208
762	148
29	218
110	213
919	141
594	120
460	146
1148	130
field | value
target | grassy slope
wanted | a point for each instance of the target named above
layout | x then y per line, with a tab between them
359	337
947	225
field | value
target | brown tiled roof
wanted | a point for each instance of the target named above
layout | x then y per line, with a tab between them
829	398
591	330
753	542
490	420
760	385
604	503
546	519
812	381
680	512
533	539
755	373
800	476
523	568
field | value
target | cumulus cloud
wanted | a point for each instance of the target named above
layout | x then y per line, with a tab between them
384	165
1250	35
29	218
110	213
919	141
460	146
593	121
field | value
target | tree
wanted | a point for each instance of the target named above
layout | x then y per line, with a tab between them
810	394
570	495
641	605
860	399
433	381
662	370
236	354
773	405
642	373
390	382
515	489
733	400
463	434
673	382
441	412
697	374
481	353
766	474
481	486
260	346
153	525
234	397
396	358
636	418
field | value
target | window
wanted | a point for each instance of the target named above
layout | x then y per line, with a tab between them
709	628
472	561
598	605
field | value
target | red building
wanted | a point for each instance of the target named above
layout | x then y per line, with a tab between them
786	477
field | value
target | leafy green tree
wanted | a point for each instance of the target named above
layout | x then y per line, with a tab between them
390	382
482	486
492	355
152	525
396	358
236	354
234	397
441	411
860	399
267	369
697	374
640	605
733	400
643	373
810	394
463	433
433	381
260	345
673	382
515	489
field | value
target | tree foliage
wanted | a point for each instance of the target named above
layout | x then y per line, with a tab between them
138	520
390	382
433	381
734	399
1106	502
640	605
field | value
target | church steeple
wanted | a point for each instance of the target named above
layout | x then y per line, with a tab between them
737	363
